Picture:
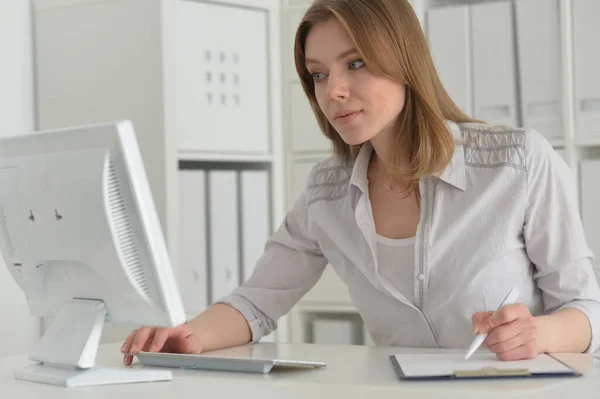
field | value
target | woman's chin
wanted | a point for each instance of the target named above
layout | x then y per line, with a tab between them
354	139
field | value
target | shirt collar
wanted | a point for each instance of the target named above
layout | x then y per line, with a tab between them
454	174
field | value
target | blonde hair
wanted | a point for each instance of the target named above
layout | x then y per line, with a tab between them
390	40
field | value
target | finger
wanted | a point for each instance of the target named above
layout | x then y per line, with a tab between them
160	338
141	338
478	318
128	341
127	360
146	347
526	351
505	332
505	315
512	343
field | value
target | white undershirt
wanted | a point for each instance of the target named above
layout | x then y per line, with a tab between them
397	263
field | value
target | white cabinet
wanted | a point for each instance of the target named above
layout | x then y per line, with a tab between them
474	52
192	86
187	80
200	80
538	38
587	64
221	78
494	75
590	198
449	35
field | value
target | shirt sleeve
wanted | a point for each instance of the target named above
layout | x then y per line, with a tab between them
554	236
291	265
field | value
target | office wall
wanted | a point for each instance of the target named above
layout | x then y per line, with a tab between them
19	330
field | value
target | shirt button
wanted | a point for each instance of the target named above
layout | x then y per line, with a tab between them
421	277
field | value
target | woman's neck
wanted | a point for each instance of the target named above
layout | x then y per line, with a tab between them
381	158
381	171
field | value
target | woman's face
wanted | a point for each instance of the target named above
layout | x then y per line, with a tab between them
358	104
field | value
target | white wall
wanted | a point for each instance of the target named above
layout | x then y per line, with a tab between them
19	330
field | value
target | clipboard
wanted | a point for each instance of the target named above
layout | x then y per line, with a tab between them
444	366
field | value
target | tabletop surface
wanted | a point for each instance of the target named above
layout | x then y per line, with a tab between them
351	371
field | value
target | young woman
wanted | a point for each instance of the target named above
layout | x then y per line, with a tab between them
428	216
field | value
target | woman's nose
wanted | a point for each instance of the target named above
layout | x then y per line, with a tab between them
337	87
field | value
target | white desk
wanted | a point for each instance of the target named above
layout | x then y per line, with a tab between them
351	372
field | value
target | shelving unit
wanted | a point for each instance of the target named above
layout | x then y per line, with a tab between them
198	92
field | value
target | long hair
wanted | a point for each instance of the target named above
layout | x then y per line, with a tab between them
389	38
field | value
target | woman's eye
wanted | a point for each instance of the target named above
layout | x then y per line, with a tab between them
356	64
318	76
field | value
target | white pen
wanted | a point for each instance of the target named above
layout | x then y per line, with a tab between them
508	300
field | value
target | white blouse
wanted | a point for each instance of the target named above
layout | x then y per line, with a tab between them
503	214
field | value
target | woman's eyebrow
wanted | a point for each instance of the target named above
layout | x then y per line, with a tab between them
339	57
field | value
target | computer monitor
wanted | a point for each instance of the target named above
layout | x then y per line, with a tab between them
80	235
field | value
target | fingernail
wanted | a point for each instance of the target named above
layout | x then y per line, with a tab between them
475	329
123	347
133	348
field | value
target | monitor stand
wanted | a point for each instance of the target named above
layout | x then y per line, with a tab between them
66	354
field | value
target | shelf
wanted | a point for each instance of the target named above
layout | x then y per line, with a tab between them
588	143
222	157
557	142
310	157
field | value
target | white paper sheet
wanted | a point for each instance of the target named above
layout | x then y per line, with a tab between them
443	364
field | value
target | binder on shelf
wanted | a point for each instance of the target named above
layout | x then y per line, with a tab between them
538	36
586	54
223	233
255	217
494	83
449	35
192	240
590	198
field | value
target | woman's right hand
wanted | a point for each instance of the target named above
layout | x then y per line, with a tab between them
180	339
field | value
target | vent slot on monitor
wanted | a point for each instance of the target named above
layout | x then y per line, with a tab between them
121	225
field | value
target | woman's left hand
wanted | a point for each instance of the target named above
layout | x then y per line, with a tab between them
512	332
